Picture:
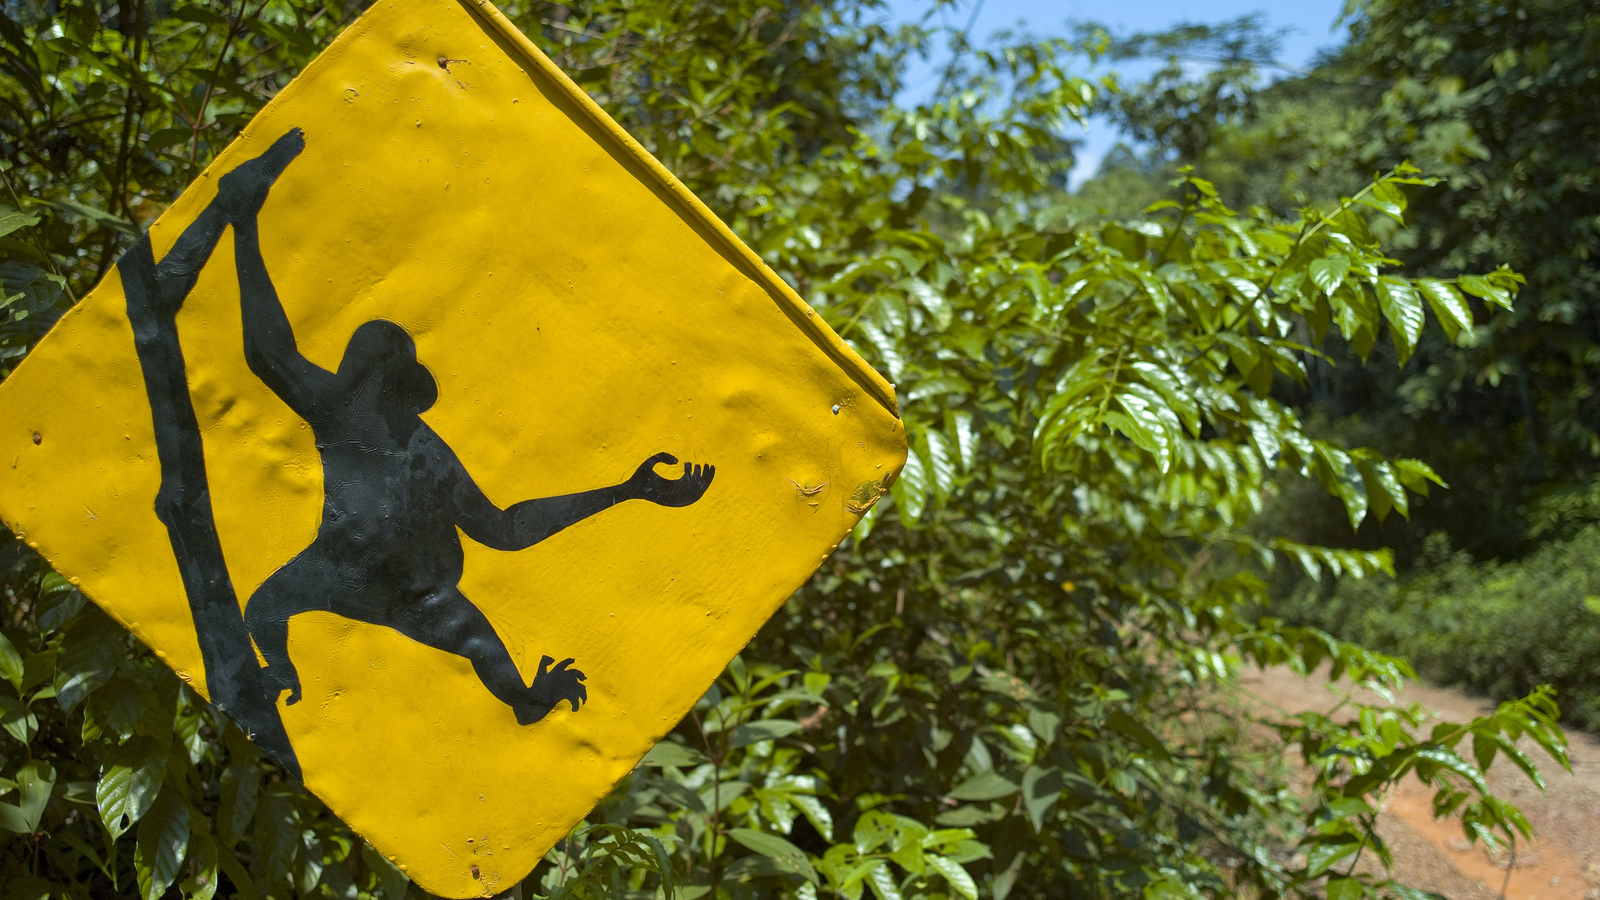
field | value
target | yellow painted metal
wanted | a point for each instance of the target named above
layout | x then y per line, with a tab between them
581	311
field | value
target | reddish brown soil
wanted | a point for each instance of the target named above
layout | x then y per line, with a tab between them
1561	863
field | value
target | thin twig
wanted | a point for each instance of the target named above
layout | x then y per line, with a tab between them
133	112
1510	865
962	44
1366	833
235	28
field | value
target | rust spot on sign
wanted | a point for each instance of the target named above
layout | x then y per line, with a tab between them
868	493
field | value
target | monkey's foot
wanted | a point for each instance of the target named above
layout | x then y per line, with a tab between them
242	191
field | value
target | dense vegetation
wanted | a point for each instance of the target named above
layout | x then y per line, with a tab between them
1009	682
1490	97
1502	628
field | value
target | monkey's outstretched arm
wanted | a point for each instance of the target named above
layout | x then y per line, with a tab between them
531	521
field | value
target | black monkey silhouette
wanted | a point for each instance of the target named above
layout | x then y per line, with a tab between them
387	551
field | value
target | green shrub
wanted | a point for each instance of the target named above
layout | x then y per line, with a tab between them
1498	628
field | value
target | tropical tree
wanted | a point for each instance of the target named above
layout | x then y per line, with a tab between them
1488	98
1013	680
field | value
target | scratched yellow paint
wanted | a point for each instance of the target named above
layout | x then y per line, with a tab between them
581	312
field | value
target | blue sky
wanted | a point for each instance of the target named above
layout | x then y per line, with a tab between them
1310	25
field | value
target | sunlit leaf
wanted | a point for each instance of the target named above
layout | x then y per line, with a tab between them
788	857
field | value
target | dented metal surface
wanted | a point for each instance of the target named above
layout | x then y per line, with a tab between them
435	363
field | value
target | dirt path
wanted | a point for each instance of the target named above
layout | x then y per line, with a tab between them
1562	863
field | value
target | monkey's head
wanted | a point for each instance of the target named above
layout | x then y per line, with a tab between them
382	349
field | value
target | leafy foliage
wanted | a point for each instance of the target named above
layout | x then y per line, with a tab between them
1501	628
1500	400
1488	98
1012	680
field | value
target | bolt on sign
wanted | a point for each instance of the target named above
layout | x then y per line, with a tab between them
445	440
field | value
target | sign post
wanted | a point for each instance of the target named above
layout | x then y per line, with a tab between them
444	440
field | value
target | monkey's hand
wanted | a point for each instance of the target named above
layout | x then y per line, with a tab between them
552	687
682	491
242	191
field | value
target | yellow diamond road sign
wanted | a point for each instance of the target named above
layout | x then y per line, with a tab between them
445	440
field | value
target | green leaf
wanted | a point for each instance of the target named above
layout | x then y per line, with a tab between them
932	301
1383	488
129	783
1339	475
882	881
11	666
887	346
1137	730
1040	789
1486	290
277	837
1045	722
1449	307
1402	307
1143	427
18	719
239	875
202	881
12	819
966	439
911	489
1450	760
671	753
874	829
941	466
73	839
36	780
1387	199
163	840
776	807
907	852
821	818
1324	854
1005	880
392	882
241	787
763	730
851	882
938	386
59	603
1343	888
12	219
1327	274
93	215
787	856
954	874
984	786
89	654
1123	782
971	814
1416	475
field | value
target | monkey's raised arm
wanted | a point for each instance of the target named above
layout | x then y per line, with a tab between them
269	345
531	521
